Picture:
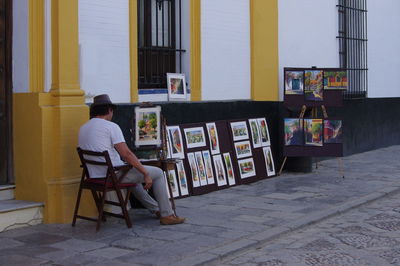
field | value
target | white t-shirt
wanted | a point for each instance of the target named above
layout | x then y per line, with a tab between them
101	135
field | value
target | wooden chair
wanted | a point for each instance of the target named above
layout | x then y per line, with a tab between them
101	186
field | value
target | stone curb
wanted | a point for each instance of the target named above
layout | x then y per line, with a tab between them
216	255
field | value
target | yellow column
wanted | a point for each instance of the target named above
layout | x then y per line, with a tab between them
264	50
133	49
46	125
195	50
36	45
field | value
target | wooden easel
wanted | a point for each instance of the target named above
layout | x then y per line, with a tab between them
314	114
161	162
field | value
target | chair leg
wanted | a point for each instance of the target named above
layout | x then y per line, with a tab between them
97	201
78	201
123	207
99	219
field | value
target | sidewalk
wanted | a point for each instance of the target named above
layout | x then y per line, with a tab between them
218	224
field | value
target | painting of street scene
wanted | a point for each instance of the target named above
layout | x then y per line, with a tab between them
195	137
176	86
175	140
243	149
264	132
313	85
294	82
209	169
193	169
335	80
313	129
202	169
173	183
213	137
333	131
247	168
269	161
255	133
229	169
147	126
182	178
239	130
219	170
293	131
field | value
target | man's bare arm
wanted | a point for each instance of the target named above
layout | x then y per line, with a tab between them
131	159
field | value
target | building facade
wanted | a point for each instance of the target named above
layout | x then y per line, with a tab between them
64	52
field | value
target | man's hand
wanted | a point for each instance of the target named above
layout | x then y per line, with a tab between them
148	182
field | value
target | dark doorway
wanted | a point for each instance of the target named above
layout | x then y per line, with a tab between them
5	92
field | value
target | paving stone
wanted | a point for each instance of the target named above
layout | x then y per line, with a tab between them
40	239
78	245
57	255
109	252
20	260
9	243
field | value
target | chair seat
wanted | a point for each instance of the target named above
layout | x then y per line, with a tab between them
100	181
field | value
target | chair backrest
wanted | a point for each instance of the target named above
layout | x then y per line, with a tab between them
95	158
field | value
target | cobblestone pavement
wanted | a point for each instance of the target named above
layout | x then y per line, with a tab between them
369	235
225	222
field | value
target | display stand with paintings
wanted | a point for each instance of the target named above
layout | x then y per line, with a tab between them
151	140
313	88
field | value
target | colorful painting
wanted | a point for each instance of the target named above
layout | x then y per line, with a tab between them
173	183
239	130
213	137
183	185
176	86
147	126
313	131
313	89
229	169
333	131
219	170
255	133
335	80
209	169
293	131
264	132
202	169
195	137
269	161
294	82
243	149
193	169
246	168
176	143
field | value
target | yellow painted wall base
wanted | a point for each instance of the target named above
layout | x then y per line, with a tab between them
45	158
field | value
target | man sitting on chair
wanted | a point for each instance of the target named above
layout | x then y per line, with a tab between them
100	134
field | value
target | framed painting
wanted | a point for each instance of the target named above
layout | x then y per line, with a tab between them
229	169
239	130
193	169
195	137
208	165
313	131
269	161
202	169
176	86
182	180
294	84
147	126
264	132
246	168
293	131
333	131
335	80
175	141
243	149
219	170
213	137
255	133
173	183
313	85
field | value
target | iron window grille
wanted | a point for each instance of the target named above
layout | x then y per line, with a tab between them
353	46
159	41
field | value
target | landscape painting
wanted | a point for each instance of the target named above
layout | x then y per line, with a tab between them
147	126
195	137
243	149
313	89
335	80
247	168
239	130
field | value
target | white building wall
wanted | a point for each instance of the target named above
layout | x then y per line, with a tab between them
225	49
383	48
307	35
20	64
104	48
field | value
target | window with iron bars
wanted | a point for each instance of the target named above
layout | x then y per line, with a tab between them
159	41
353	46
